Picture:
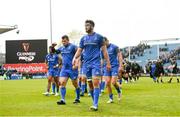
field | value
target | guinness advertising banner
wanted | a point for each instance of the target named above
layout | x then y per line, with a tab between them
26	51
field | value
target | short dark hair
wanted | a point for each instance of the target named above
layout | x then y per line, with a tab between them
105	39
91	22
65	37
52	49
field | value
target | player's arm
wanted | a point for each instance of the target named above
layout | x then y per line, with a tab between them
120	59
57	51
60	62
79	64
46	62
106	56
57	65
102	59
76	56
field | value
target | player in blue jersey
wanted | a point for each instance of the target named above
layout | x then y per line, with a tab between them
55	90
52	61
91	44
153	71
112	75
67	52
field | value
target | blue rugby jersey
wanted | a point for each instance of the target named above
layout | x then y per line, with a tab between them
52	60
113	55
67	53
91	45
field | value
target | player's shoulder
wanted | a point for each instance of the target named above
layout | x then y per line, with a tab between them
99	35
84	37
56	55
114	45
73	45
47	55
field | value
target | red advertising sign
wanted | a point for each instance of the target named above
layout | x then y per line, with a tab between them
27	68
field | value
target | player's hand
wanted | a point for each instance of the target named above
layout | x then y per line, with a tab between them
74	62
54	44
120	68
74	67
56	66
108	66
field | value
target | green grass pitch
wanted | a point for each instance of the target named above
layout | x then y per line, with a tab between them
141	98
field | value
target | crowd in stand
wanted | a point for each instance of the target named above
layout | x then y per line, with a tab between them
135	50
167	56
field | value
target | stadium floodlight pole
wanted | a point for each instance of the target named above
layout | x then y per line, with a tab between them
157	51
129	53
50	22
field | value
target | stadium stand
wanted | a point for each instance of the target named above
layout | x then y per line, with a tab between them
143	53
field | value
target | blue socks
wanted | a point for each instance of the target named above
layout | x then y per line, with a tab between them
92	93
102	85
154	78
78	93
79	83
53	87
120	81
63	93
111	96
96	96
83	86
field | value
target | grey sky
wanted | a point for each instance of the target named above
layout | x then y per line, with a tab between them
124	22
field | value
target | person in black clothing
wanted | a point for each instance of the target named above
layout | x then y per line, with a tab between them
127	70
174	70
159	71
135	70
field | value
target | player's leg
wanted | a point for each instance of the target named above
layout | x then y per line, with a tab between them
107	77
73	74
114	81
96	75
86	88
91	88
83	84
161	77
79	79
171	77
120	76
138	76
56	79
63	81
133	76
47	93
102	85
53	86
126	77
86	71
117	86
177	78
158	78
109	89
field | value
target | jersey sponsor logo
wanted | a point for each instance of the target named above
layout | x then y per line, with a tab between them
90	43
65	52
